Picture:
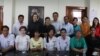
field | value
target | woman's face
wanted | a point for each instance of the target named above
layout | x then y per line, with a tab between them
5	31
36	34
51	33
85	19
75	21
78	34
35	18
96	21
23	31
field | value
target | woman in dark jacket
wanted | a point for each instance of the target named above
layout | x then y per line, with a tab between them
93	42
35	24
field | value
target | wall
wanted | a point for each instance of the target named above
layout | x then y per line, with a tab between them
12	8
21	7
76	3
94	9
49	5
1	2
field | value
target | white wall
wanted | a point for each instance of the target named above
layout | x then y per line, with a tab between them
94	9
76	3
8	13
12	8
1	2
50	7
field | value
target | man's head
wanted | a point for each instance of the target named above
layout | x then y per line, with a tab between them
21	18
47	21
5	30
55	16
63	32
66	20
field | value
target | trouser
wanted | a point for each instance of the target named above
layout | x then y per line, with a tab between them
11	53
40	53
63	53
21	53
50	53
74	53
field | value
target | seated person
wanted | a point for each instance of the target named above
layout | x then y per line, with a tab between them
78	45
93	42
36	44
63	43
7	42
50	43
22	42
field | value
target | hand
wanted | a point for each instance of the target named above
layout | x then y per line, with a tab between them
81	50
39	46
4	50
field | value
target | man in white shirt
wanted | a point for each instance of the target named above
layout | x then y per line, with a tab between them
18	24
63	43
6	42
68	26
56	23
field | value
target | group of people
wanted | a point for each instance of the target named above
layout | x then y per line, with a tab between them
51	38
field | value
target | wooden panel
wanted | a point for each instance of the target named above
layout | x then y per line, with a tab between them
1	17
69	11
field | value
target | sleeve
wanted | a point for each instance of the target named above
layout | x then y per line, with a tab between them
31	43
16	39
79	27
0	43
68	44
84	43
71	30
57	44
72	43
41	43
44	42
12	40
29	28
28	39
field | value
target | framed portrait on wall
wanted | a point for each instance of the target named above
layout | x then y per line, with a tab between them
35	9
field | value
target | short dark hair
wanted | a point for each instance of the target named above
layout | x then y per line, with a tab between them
92	27
63	29
47	18
21	16
65	17
23	27
5	26
75	18
55	13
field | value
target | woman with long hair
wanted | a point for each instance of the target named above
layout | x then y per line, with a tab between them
50	43
96	25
